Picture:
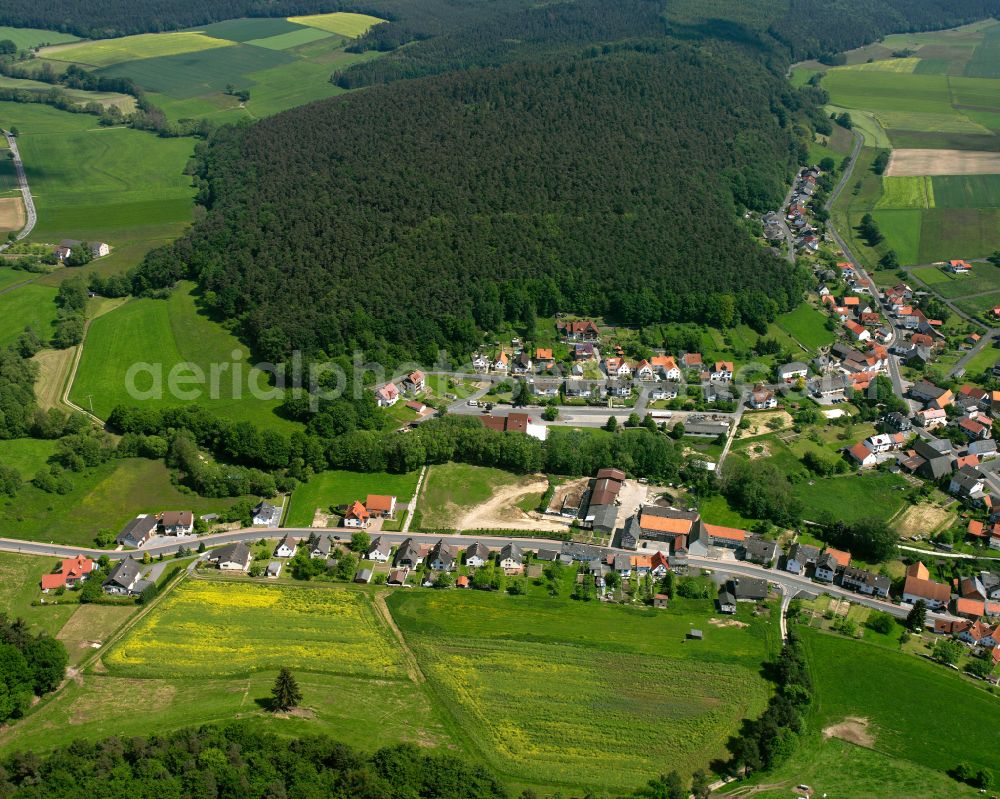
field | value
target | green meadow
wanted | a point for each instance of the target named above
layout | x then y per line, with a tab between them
104	52
102	497
907	192
19	587
167	335
34	37
23	306
90	182
897	693
27	455
806	325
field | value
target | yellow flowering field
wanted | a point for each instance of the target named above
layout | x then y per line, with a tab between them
216	629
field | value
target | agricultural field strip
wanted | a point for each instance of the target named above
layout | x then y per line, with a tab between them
208	628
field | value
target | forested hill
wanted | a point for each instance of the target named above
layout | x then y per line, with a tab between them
416	212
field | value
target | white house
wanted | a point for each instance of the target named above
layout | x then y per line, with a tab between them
379	550
477	555
800	556
644	370
177	522
793	370
232	557
286	547
722	370
441	557
502	363
387	395
667	367
99	249
511	559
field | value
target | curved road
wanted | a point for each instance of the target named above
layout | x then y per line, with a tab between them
22	182
789	584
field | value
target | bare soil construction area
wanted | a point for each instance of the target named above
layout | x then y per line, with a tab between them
853	730
915	163
923	519
11	214
500	511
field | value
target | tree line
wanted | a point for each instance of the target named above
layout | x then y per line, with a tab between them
30	666
272	459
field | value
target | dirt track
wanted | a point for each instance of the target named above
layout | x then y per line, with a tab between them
915	163
500	512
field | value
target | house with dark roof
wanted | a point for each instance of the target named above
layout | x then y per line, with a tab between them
865	582
477	555
726	600
511	559
177	522
442	557
266	515
408	555
760	550
232	557
800	556
748	589
379	550
125	579
138	532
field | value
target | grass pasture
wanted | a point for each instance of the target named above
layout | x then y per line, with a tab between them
91	624
340	22
907	192
27	455
112	184
888	91
985	61
212	629
244	30
903	230
854	678
947	233
201	72
450	488
285	41
103	497
806	325
967	191
339	488
105	52
167	334
26	38
534	685
29	305
984	277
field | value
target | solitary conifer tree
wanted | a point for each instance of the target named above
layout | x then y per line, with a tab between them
285	693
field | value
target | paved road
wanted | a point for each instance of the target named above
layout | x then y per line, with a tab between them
31	216
790	584
897	380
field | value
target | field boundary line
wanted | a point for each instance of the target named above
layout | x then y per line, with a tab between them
412	666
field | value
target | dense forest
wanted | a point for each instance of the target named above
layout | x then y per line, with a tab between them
410	217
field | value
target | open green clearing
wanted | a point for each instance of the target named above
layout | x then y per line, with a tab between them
364	713
944	97
103	497
109	184
966	191
807	325
19	579
836	768
167	334
23	306
34	37
200	73
284	63
8	277
27	455
339	488
898	693
555	669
